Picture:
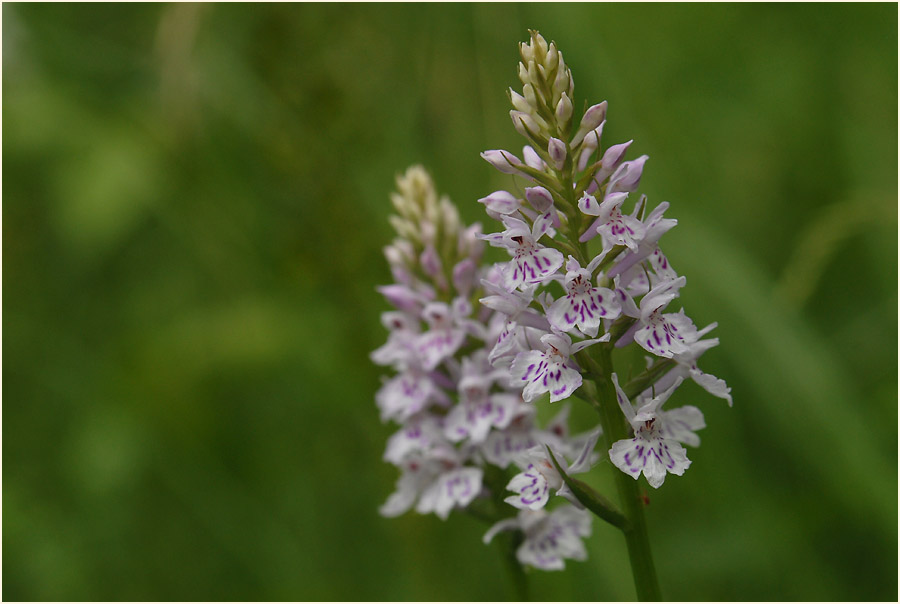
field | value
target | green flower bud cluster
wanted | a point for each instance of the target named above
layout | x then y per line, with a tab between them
422	215
544	109
431	240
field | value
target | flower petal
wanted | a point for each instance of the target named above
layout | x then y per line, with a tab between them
404	395
713	385
531	267
561	381
681	423
589	205
624	404
436	345
582	463
661	337
653	457
533	491
528	370
456	488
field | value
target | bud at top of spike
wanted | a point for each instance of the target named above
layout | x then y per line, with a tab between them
590	120
556	149
538	47
552	60
519	102
564	112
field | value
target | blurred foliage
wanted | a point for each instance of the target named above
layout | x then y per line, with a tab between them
195	201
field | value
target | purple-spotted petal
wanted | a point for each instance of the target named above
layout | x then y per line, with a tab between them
527	371
588	204
584	310
530	267
404	395
622	230
531	488
506	343
652	457
551	539
456	488
542	224
561	382
501	448
666	335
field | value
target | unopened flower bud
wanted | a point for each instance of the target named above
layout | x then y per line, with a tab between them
399	202
464	276
552	60
430	261
539	198
589	145
519	102
533	72
523	74
402	297
449	218
406	248
613	156
592	139
416	186
398	264
563	81
538	47
428	231
526	52
470	242
502	202
405	228
530	97
556	149
406	207
504	161
564	112
628	176
524	123
399	252
532	159
592	118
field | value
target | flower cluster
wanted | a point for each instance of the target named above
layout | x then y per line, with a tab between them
474	345
458	412
577	196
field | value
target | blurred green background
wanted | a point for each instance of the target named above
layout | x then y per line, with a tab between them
195	202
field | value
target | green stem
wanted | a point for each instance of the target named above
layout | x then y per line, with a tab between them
636	537
591	499
511	542
493	510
